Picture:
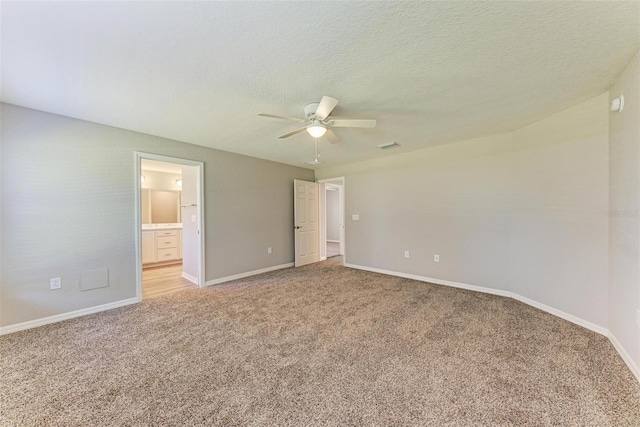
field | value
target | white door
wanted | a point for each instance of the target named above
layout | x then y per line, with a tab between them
307	231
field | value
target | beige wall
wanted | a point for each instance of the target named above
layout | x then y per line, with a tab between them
523	211
624	221
451	200
154	180
559	224
68	206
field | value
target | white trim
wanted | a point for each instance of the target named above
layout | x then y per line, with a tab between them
201	222
566	316
635	370
189	277
65	316
342	223
333	241
138	225
247	274
431	280
85	311
559	313
322	215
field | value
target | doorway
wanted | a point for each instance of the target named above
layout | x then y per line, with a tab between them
169	224
332	236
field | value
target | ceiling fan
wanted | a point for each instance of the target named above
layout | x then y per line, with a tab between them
318	123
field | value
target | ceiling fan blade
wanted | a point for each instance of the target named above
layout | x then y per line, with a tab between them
332	137
327	104
281	117
352	123
287	135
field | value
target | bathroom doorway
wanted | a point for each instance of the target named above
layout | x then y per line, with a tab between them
169	224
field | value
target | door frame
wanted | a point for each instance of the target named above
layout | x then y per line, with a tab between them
323	218
138	156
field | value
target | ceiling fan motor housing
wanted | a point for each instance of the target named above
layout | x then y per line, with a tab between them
310	110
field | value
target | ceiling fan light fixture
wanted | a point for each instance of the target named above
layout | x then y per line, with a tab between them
318	119
316	129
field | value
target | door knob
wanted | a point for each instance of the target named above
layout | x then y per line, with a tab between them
297	227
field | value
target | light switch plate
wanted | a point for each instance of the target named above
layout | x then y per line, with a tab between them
406	254
436	258
193	218
355	217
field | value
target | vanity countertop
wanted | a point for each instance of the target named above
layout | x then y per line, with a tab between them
177	226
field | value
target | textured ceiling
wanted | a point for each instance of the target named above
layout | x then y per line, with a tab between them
199	72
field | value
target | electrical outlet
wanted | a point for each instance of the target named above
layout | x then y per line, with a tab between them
436	258
269	250
406	254
55	283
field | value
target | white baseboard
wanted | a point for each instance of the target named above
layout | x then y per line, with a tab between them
96	309
635	370
247	274
559	313
432	280
65	316
333	241
189	277
571	318
566	316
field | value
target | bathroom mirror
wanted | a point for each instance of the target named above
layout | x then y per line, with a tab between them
161	207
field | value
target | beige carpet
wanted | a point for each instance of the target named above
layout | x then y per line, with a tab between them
316	346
